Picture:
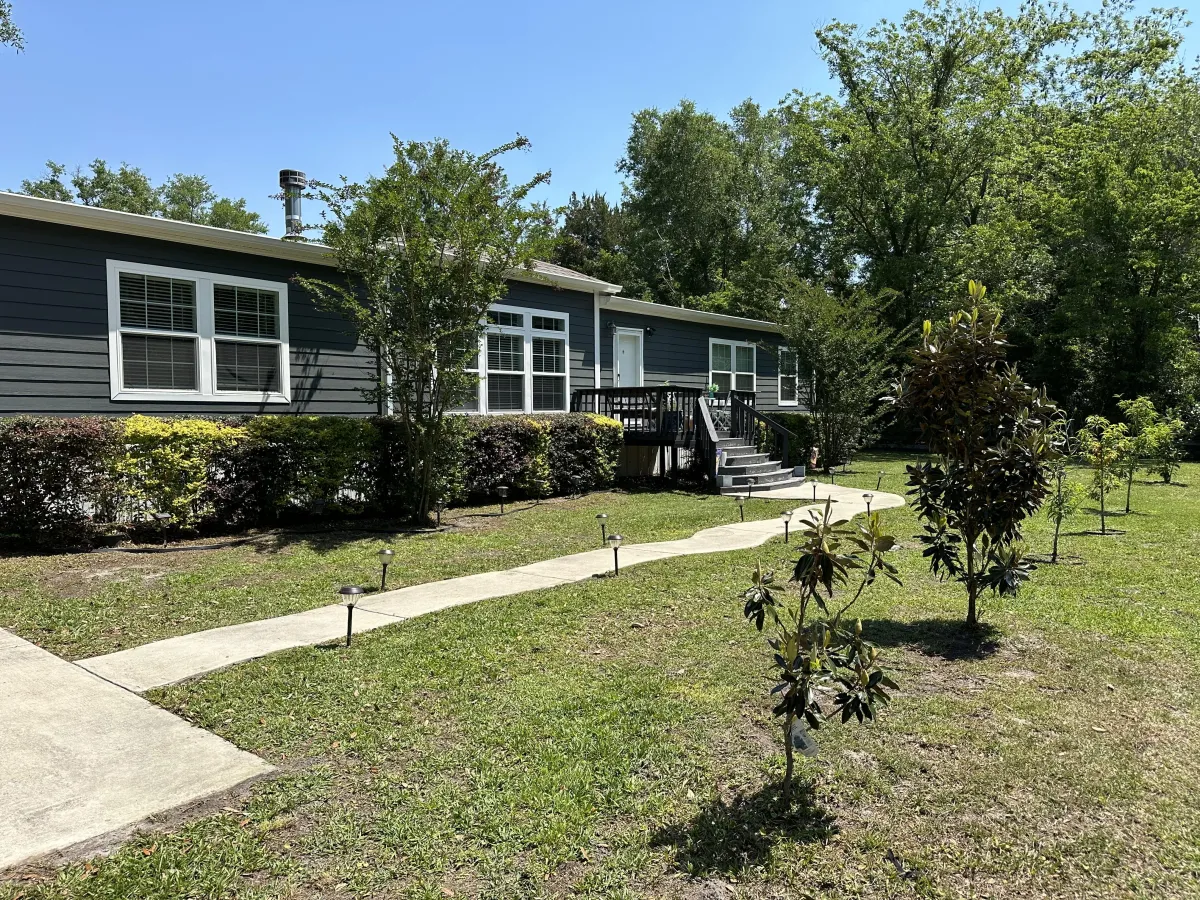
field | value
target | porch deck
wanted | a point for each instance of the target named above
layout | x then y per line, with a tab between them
651	416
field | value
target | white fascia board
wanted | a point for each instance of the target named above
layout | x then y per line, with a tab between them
95	218
679	313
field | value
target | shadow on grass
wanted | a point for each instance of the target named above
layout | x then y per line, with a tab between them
952	640
729	838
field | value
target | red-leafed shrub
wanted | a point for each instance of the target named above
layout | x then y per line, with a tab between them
56	479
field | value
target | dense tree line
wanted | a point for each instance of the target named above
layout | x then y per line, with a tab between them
185	198
1052	155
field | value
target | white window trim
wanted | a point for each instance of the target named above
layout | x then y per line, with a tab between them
796	375
733	373
641	369
205	334
528	333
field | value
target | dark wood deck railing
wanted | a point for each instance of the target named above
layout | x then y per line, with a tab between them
751	426
663	416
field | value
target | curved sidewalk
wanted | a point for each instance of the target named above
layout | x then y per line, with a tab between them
175	659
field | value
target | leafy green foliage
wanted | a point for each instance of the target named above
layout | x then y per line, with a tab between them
10	34
183	198
814	653
593	238
424	249
845	354
1157	440
990	433
1104	445
1066	495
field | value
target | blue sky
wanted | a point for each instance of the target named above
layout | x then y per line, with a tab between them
238	90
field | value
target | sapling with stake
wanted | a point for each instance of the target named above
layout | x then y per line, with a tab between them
818	657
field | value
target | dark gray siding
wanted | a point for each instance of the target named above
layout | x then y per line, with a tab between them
678	352
54	325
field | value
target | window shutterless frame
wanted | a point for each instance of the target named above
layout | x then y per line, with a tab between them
540	332
738	372
789	381
204	335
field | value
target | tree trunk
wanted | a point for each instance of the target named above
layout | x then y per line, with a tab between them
1103	526
1054	549
789	755
1128	492
972	587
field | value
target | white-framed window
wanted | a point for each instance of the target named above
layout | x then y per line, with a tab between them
523	362
183	335
789	384
732	365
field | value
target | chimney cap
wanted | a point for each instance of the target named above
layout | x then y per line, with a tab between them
292	178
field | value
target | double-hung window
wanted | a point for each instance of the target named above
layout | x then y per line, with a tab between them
182	335
732	365
525	361
788	380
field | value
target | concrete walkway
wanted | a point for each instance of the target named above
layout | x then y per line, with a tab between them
175	659
81	758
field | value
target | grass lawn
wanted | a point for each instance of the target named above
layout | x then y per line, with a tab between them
81	605
613	739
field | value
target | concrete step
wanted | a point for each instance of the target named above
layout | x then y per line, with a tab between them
739	467
766	479
728	441
745	459
741	488
741	451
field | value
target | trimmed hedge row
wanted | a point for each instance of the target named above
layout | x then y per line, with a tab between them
64	482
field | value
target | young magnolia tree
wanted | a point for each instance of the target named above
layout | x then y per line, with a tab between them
989	433
1066	495
817	655
423	250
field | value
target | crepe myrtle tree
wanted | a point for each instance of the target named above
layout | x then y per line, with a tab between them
422	251
988	433
817	656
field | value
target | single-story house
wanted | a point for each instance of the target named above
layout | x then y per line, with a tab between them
105	312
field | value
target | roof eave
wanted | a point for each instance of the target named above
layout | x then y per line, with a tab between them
680	313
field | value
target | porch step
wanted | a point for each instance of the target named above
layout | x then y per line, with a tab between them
724	440
788	481
740	452
772	478
741	466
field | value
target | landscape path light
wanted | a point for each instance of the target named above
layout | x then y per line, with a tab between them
502	493
868	497
814	488
350	594
615	541
750	483
602	518
741	500
386	555
439	506
787	520
879	481
163	519
832	473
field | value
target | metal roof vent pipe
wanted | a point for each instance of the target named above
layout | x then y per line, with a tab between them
293	183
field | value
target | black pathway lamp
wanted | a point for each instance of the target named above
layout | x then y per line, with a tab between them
832	472
750	483
439	506
879	481
502	493
615	541
602	518
814	488
386	555
163	519
741	500
350	594
787	521
868	497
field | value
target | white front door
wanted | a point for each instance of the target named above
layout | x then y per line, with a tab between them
628	356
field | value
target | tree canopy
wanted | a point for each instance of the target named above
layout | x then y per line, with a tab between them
1054	155
184	198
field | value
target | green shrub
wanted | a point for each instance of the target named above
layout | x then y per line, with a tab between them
584	452
394	482
802	425
509	450
56	481
167	463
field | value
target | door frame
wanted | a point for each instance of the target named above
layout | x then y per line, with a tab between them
640	333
